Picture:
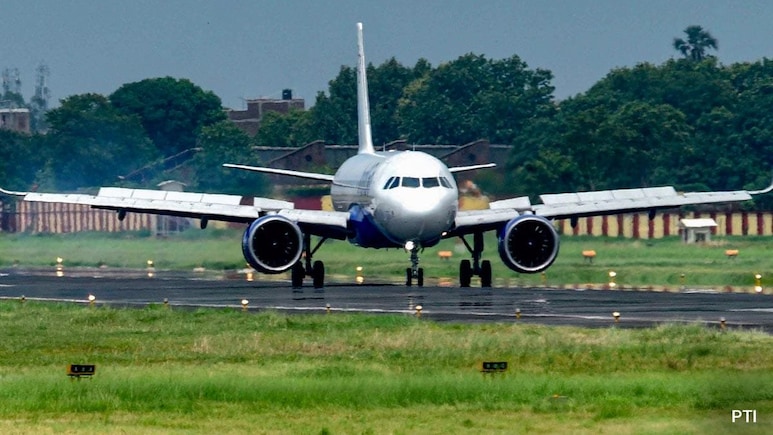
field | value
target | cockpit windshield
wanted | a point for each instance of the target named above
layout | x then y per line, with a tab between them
411	182
430	182
414	182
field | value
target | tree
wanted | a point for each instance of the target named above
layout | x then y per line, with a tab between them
220	143
334	115
18	162
292	129
172	111
472	98
698	41
90	143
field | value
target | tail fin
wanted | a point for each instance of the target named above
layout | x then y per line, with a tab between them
363	107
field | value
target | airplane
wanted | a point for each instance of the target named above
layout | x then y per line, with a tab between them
393	199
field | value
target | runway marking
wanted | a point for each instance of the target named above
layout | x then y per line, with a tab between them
757	310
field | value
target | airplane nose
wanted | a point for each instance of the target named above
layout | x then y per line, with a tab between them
421	216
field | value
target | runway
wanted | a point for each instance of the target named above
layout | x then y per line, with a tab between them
588	308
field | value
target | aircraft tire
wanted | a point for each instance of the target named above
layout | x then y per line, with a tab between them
465	273
420	277
318	274
408	277
297	274
485	274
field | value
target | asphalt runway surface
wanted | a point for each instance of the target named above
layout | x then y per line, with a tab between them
588	308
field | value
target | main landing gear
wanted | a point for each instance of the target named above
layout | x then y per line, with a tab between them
477	267
414	272
305	267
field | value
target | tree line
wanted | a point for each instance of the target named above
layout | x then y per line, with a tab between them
691	121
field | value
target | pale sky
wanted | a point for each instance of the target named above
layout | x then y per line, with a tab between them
242	49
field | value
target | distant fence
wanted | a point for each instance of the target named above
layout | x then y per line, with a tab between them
39	217
640	226
20	216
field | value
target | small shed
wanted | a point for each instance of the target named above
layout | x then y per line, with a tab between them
696	230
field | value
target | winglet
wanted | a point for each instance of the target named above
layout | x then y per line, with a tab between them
763	191
363	107
12	192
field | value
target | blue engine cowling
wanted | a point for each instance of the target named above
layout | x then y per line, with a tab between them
272	244
528	244
364	231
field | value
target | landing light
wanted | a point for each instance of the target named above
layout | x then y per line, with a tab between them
409	245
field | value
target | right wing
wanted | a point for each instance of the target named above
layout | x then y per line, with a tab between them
204	206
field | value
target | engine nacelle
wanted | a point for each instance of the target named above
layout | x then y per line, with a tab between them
272	244
528	244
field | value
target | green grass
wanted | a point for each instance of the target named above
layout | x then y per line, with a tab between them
659	263
178	371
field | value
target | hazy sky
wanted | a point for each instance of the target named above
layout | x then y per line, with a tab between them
254	48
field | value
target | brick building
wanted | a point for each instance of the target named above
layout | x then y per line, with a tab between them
249	120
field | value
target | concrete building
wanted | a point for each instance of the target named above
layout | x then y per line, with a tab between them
249	120
15	119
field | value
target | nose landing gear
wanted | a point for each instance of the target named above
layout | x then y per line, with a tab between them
414	272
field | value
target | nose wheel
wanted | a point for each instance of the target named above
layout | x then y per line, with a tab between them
414	272
468	269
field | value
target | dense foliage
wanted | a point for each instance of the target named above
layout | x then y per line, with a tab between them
691	122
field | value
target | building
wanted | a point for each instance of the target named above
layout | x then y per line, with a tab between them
697	230
249	120
15	119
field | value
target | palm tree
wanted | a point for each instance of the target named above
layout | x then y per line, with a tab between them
698	41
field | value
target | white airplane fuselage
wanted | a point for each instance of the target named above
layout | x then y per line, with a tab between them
396	197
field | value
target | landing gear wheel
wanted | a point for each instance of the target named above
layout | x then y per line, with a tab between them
318	274
420	277
465	273
297	274
485	274
408	277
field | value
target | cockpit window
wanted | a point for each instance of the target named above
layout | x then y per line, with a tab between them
392	182
445	183
430	182
410	182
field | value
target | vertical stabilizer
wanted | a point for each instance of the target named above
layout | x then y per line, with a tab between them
363	107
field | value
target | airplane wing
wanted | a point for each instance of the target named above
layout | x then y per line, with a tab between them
204	206
456	169
595	203
288	172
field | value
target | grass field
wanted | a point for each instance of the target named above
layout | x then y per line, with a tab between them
226	371
660	263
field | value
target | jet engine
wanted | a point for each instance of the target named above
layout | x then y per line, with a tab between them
272	244
528	244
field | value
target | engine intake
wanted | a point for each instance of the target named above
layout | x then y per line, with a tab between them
528	244
272	244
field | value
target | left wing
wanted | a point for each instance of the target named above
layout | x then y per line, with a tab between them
595	203
204	206
288	172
